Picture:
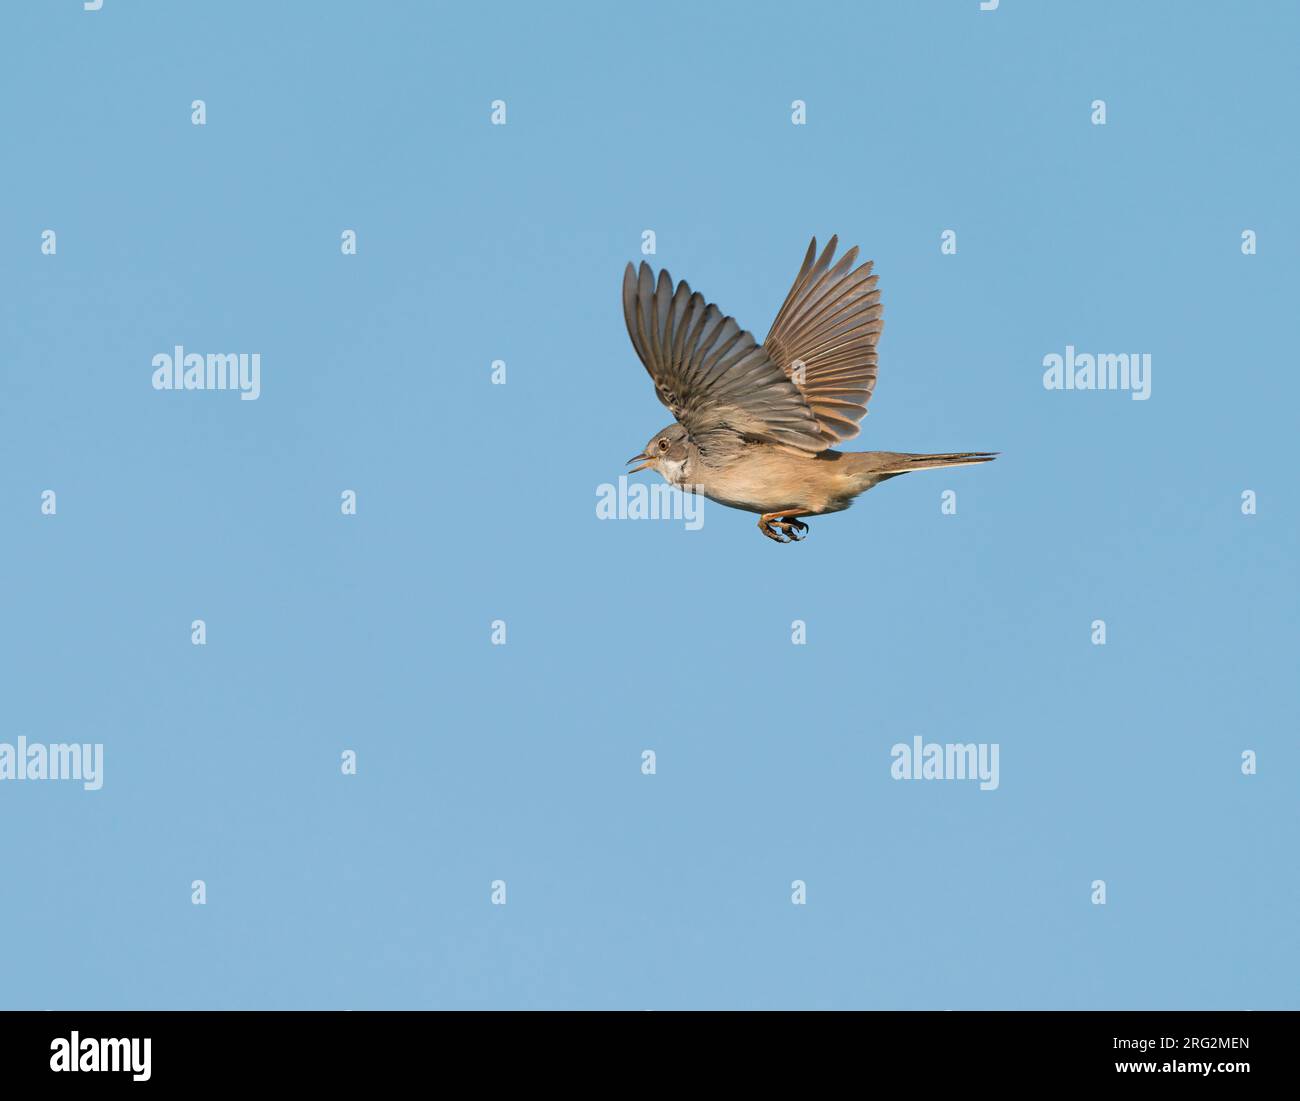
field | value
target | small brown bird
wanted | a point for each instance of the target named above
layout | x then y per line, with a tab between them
755	423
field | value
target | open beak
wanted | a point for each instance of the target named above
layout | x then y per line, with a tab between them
637	458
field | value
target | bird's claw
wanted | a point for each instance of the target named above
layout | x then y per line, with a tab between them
791	530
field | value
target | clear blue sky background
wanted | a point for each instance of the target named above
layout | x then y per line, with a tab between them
477	502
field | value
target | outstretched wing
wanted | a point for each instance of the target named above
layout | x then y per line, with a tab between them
829	323
708	370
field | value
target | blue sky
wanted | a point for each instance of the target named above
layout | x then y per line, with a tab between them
476	503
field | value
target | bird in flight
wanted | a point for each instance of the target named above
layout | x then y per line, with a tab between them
756	424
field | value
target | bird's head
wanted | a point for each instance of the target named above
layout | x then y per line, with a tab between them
667	452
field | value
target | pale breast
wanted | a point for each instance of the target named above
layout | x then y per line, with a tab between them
763	478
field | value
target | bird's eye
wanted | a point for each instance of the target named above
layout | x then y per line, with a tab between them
663	444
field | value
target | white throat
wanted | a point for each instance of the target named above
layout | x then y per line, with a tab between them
673	471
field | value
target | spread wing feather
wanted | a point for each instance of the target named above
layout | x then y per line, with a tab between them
830	323
711	373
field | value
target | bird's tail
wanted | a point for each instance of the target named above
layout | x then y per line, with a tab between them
894	462
873	467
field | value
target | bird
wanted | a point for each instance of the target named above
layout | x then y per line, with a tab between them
756	425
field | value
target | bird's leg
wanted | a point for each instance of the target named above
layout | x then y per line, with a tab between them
792	531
